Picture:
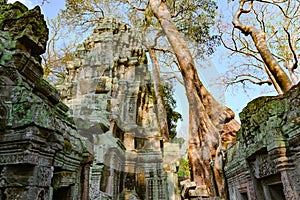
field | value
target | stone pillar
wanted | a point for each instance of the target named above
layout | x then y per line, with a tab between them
85	182
110	185
96	176
172	180
129	141
288	186
284	167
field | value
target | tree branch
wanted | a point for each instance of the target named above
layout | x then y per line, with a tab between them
135	7
250	78
295	63
236	18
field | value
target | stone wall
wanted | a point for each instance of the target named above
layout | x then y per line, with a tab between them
264	161
41	154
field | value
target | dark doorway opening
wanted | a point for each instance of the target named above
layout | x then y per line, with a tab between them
244	196
62	193
276	192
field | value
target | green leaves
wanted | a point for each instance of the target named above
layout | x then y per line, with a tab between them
170	104
194	18
184	168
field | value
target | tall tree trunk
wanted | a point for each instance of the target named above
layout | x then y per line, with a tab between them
206	115
280	78
161	111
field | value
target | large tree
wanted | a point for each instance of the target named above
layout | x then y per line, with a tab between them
270	54
211	125
208	120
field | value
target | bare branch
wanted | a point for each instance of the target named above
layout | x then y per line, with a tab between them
158	35
236	21
135	7
258	36
236	50
163	50
295	63
251	81
276	3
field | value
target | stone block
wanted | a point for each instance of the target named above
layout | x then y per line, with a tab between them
187	185
198	192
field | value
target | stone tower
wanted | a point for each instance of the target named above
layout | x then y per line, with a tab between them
110	95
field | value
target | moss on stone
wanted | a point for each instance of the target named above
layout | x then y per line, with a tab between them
67	146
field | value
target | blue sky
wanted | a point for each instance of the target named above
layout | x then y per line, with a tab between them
48	9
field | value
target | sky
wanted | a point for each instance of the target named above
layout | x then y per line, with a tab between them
48	9
209	73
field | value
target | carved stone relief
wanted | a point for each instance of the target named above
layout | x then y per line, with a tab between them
263	166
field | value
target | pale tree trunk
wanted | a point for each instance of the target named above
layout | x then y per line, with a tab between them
161	111
207	118
279	77
273	80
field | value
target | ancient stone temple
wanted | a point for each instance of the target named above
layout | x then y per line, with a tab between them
110	95
264	162
106	144
41	154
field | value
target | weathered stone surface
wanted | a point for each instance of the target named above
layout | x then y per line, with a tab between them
198	192
264	161
41	154
110	95
171	162
187	185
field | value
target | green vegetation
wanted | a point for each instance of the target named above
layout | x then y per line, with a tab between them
184	169
170	105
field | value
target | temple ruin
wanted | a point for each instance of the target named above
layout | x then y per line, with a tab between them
111	99
41	154
95	136
264	161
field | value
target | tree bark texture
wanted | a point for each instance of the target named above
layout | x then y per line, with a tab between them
279	77
161	111
210	124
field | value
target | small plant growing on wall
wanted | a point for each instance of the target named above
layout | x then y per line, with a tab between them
184	169
67	145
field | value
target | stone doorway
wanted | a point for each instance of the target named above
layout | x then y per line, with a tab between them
276	191
244	195
273	188
62	193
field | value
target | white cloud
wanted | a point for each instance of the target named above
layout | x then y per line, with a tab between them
27	3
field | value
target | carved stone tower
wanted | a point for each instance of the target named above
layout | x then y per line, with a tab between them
110	95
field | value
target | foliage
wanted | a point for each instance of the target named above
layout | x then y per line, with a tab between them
83	14
184	169
195	19
170	105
